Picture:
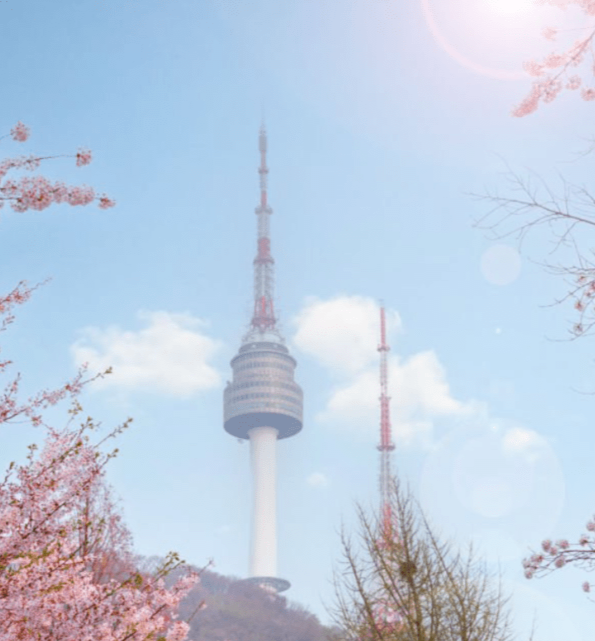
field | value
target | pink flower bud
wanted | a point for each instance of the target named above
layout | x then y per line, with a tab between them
584	540
553	550
586	586
546	545
560	562
591	526
528	574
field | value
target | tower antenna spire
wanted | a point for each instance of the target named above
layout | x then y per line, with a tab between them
263	318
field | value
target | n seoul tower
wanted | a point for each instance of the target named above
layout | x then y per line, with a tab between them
263	403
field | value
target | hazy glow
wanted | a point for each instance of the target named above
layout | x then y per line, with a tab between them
509	7
500	264
455	54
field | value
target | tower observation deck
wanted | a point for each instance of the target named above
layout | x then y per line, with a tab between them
263	403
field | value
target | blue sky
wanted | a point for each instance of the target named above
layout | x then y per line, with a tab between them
382	117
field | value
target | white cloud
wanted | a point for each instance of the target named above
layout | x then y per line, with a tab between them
419	394
317	479
169	356
343	335
521	441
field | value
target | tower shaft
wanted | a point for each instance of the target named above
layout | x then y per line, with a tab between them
263	452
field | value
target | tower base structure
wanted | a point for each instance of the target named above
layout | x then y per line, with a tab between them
271	584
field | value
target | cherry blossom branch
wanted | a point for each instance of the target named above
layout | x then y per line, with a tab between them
550	86
566	217
554	556
38	193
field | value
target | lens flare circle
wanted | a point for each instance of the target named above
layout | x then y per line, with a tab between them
500	74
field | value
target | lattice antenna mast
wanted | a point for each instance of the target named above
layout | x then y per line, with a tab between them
264	312
386	445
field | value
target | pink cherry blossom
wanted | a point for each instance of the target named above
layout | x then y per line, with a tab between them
178	631
550	88
38	193
573	55
530	103
59	580
533	68
83	157
554	60
66	563
549	33
563	544
574	82
20	132
106	203
80	195
581	554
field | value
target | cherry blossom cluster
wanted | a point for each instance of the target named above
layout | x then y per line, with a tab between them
38	193
556	71
66	566
83	157
66	569
46	558
555	555
20	132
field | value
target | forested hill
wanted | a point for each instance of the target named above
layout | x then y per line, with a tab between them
238	611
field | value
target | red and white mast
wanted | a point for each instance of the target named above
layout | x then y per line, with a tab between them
386	617
386	445
264	312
